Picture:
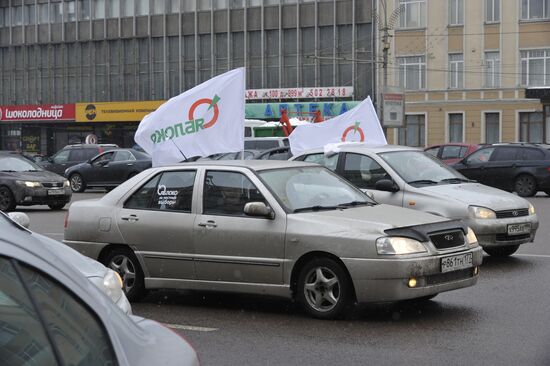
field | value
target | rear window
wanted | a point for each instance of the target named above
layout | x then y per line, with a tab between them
78	155
532	154
453	152
260	144
505	154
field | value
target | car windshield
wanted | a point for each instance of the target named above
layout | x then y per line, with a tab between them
311	189
16	164
419	168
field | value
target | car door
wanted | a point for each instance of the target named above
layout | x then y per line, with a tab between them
229	245
157	221
59	162
364	171
500	171
474	165
98	170
121	166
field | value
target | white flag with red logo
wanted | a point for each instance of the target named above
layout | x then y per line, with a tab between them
202	121
359	124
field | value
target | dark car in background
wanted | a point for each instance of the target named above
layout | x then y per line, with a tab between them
452	152
277	153
24	183
108	169
520	167
73	154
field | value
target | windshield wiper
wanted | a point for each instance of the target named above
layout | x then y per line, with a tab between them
355	203
315	208
422	181
456	180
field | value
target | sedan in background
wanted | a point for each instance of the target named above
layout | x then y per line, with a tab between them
452	152
520	167
409	177
108	169
278	228
73	154
24	183
50	314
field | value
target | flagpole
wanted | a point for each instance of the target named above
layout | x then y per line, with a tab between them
177	147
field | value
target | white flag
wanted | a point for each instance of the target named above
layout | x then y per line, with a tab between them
359	124
202	121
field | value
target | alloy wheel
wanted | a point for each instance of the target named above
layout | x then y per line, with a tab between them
76	183
322	289
126	269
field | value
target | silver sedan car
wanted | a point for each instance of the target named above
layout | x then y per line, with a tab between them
50	314
408	177
280	228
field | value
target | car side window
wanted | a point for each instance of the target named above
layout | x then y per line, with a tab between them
174	191
23	339
363	171
76	331
61	157
226	193
505	153
480	156
433	151
451	152
463	151
123	156
91	152
77	155
142	198
322	159
532	154
104	158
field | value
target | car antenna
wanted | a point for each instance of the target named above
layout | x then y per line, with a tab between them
177	147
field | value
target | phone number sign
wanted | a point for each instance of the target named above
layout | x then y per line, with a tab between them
300	93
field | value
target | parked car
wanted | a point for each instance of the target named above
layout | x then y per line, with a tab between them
277	153
15	226
523	168
108	169
279	228
452	152
264	143
51	314
73	154
24	183
408	177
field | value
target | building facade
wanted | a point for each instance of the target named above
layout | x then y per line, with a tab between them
465	66
55	53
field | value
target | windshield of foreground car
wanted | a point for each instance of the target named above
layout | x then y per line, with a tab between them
419	168
312	189
16	164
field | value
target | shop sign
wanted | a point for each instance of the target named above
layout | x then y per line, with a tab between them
115	111
45	112
300	93
300	110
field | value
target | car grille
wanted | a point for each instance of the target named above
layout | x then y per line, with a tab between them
440	278
52	184
512	213
449	239
504	237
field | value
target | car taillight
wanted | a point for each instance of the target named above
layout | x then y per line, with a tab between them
66	223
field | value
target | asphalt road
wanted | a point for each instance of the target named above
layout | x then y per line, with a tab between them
503	320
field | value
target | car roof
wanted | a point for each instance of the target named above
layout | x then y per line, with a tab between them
73	146
255	165
358	147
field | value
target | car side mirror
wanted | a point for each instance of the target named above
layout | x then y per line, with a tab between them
21	218
386	185
258	209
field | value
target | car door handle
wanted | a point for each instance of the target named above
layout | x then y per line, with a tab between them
130	218
130	164
208	224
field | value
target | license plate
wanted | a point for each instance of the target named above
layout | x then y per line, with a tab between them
456	262
56	192
517	229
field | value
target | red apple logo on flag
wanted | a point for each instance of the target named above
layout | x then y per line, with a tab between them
356	129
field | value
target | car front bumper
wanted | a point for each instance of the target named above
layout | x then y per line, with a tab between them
387	280
42	196
493	232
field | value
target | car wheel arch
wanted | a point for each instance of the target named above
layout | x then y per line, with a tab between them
104	252
305	258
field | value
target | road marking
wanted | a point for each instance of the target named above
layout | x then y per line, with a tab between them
533	255
190	327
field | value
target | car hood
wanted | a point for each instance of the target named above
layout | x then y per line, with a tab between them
41	176
477	194
365	219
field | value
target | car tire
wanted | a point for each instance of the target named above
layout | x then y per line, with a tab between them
503	251
57	206
125	263
324	288
525	185
7	201
77	183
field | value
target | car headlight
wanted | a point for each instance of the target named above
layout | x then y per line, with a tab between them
471	238
112	285
29	184
393	245
531	209
481	212
67	183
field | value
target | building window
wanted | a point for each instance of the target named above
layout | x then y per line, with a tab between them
413	14
188	6
83	9
492	127
456	127
412	134
56	13
99	9
535	67
3	12
142	7
412	72
535	9
220	4
29	15
70	13
456	70
456	12
530	127
127	8
158	7
492	69
113	8
173	6
492	11
17	15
